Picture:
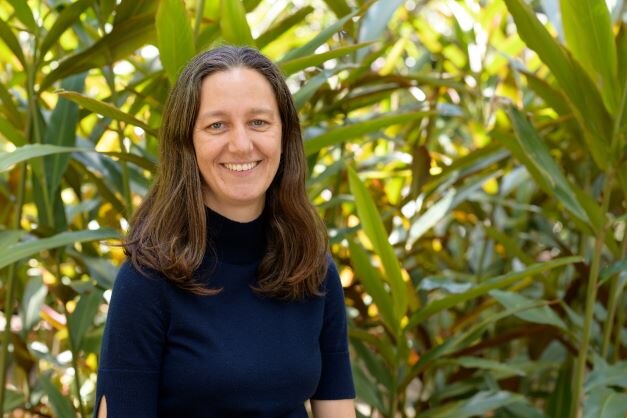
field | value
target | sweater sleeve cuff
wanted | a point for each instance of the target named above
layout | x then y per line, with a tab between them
336	379
129	393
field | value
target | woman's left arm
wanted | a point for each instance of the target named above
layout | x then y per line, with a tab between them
340	408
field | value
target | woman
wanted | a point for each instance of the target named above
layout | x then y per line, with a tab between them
229	305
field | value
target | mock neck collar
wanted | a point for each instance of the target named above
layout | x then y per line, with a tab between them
237	242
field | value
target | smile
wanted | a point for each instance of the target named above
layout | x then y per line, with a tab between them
241	166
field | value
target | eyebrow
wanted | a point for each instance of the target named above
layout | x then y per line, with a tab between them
253	111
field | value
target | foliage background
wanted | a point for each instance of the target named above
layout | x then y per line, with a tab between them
468	157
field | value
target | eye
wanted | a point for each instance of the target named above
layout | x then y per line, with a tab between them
216	125
258	123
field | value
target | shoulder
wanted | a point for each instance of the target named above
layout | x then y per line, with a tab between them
136	284
332	284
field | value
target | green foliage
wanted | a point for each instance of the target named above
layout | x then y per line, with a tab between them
468	162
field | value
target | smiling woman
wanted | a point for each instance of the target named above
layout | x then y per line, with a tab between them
223	309
237	140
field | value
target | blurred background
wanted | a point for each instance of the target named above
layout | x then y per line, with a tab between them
467	156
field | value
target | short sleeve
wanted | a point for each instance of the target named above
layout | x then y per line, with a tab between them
336	380
132	346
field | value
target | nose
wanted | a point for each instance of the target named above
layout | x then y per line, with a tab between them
240	140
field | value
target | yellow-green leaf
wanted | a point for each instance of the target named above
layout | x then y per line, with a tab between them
175	38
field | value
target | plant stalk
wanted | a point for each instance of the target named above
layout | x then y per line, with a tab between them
591	296
10	290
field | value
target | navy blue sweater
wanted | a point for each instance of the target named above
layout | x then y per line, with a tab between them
169	353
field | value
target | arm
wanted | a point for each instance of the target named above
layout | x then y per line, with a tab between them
341	408
335	392
132	347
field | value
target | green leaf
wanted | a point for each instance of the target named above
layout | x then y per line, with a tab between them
580	89
129	9
483	288
614	375
478	405
539	155
10	109
24	14
10	133
69	16
12	400
444	207
83	316
24	249
377	19
125	37
10	236
542	315
175	37
309	89
373	285
297	64
373	227
461	340
105	109
310	47
27	152
61	406
61	131
233	24
365	387
588	31
559	402
6	34
605	403
282	26
486	364
32	301
340	135
338	7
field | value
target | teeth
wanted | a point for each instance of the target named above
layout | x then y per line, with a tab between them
241	167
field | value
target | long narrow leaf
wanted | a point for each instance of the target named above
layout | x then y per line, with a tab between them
174	50
310	47
297	64
6	34
494	283
282	26
61	131
374	229
539	155
124	38
83	316
66	18
588	31
234	25
24	249
373	285
578	86
339	135
24	14
105	109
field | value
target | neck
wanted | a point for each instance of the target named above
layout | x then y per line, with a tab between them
235	241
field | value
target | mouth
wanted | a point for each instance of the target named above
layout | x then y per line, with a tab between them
239	167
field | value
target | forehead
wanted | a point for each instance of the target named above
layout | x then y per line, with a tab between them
236	91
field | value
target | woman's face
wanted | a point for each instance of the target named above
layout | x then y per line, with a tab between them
237	139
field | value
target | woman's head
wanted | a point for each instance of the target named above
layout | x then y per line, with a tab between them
200	160
203	83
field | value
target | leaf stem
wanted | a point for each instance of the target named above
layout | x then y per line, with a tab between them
10	289
591	294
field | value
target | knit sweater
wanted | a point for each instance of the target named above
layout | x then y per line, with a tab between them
169	353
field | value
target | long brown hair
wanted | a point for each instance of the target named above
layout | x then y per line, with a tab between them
169	231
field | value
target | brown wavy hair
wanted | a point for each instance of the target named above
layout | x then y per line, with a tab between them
169	231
